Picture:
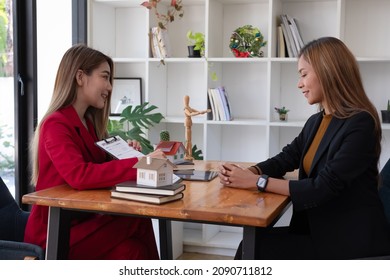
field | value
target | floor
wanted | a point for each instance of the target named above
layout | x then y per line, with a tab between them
199	256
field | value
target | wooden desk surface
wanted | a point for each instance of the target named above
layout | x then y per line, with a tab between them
203	201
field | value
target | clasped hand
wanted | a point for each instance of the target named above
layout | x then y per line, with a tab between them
233	175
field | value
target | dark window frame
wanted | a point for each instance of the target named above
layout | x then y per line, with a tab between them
25	82
25	94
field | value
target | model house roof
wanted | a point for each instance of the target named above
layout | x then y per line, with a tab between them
152	163
170	147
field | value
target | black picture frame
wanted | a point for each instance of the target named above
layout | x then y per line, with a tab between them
125	92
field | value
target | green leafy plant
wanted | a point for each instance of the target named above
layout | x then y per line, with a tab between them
281	110
196	39
7	162
388	105
197	154
3	37
140	117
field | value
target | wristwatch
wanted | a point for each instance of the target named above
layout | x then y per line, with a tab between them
262	182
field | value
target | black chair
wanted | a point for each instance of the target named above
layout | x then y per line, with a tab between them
384	194
12	224
384	188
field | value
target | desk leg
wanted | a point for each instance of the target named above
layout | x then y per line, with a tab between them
249	243
58	229
165	229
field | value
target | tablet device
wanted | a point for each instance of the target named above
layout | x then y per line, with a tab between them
197	175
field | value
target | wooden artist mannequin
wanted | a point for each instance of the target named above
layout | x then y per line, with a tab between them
189	112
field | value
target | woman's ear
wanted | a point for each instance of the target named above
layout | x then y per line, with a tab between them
79	77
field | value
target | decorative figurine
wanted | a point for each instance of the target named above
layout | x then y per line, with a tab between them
189	112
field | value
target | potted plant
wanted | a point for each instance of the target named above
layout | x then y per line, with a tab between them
140	116
282	113
386	113
197	45
197	48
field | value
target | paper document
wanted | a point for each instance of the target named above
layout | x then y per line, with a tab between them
118	148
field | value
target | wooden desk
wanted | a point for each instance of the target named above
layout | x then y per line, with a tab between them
204	202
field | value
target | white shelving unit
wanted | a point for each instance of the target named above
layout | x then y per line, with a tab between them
254	85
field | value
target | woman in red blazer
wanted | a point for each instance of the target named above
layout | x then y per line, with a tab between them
64	152
337	213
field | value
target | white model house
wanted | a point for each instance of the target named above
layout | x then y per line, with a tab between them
154	172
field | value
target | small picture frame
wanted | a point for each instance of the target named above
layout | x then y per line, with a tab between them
125	92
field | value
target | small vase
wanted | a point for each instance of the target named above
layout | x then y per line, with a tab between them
192	52
283	117
385	116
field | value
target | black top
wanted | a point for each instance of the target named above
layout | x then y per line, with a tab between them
337	203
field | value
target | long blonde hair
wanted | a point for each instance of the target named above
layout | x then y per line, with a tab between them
339	76
78	57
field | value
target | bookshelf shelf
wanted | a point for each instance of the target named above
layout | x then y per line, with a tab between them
254	85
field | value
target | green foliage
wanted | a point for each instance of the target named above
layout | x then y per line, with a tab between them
197	154
196	39
281	110
7	161
3	37
214	76
139	117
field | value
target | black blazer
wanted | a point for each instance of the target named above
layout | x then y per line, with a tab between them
337	203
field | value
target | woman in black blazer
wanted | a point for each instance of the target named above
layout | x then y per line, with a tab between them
337	213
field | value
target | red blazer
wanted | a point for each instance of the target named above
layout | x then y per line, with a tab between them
68	155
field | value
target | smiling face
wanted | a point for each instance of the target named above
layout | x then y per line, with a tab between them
94	88
308	83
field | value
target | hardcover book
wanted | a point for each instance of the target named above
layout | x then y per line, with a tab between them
133	187
291	47
149	198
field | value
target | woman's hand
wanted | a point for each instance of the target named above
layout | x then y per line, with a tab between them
157	154
135	144
233	175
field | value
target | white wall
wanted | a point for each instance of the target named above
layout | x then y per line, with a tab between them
54	35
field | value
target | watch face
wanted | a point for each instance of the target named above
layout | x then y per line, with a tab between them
261	182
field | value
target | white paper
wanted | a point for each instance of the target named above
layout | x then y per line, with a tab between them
118	148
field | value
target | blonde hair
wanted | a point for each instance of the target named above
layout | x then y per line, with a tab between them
339	76
78	57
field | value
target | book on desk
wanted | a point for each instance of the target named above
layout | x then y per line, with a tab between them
133	187
149	198
157	195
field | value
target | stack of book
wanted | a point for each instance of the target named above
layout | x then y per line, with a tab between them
219	104
289	41
156	195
